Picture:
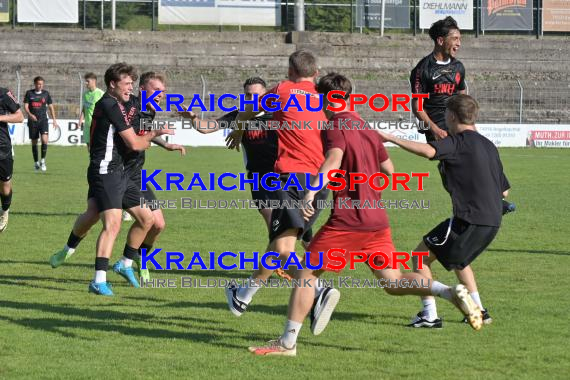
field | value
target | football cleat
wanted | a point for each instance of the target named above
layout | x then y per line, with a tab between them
274	348
43	166
420	320
4	220
144	274
487	320
127	273
237	307
100	288
322	309
36	166
463	301
60	257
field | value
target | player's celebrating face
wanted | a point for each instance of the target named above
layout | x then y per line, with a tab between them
120	86
447	38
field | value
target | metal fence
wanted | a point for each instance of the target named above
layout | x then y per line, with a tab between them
319	15
501	101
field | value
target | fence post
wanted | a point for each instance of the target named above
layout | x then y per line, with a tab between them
203	80
81	83
415	16
13	14
520	101
84	14
102	15
153	28
18	85
351	15
478	5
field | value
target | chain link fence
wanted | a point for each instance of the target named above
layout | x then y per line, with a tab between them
501	101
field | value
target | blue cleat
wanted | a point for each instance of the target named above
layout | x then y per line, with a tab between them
100	288
127	273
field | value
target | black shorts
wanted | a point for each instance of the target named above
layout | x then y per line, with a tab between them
108	190
6	168
38	127
262	194
134	192
283	219
456	243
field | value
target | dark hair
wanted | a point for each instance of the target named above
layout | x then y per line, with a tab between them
334	81
150	75
114	72
442	28
304	63
37	79
464	107
254	80
90	76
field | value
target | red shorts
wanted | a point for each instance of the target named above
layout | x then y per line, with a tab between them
365	242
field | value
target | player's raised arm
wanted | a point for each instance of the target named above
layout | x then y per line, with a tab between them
169	147
420	149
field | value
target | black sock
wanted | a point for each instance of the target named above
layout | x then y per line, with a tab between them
145	246
130	252
73	240
101	263
44	151
35	152
6	201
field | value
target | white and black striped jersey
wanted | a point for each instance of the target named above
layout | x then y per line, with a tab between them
107	149
8	105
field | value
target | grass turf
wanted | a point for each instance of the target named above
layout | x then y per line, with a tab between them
50	327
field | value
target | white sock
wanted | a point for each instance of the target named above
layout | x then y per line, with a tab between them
43	161
477	299
100	276
289	337
127	262
430	309
69	250
245	293
441	290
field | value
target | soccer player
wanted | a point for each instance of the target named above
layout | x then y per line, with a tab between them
149	81
36	102
10	112
440	75
90	97
260	146
472	173
112	136
299	151
365	230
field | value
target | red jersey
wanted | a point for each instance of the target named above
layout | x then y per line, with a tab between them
363	152
298	150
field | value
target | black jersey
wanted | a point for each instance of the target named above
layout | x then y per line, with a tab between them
440	80
107	149
260	144
37	103
8	105
472	174
134	160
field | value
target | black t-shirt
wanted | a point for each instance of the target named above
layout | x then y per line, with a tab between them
472	174
260	144
37	103
107	149
440	81
134	160
8	105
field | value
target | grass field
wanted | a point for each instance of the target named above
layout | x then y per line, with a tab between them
50	327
